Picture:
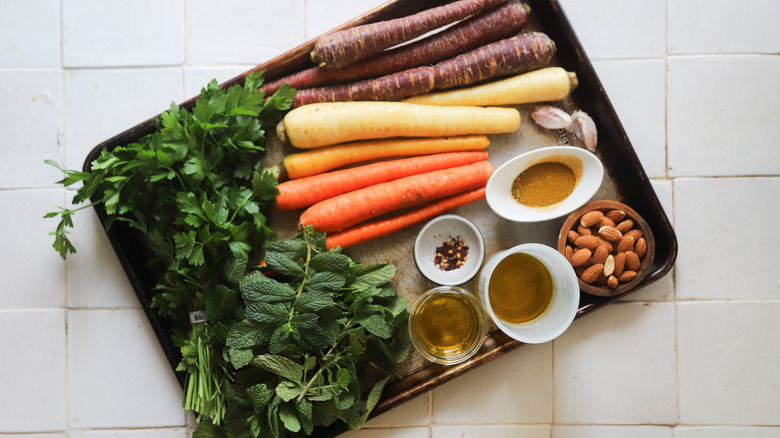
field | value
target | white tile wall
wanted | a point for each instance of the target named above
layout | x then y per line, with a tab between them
617	367
126	33
30	133
701	26
36	277
721	110
30	34
515	388
242	31
118	376
612	432
692	356
725	376
33	369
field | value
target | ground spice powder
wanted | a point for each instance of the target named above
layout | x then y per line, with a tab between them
544	184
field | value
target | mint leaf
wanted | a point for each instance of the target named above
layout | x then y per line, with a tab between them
206	429
376	324
289	418
304	409
330	262
240	358
259	395
373	275
279	365
280	264
324	282
256	287
246	334
265	313
280	338
310	301
288	390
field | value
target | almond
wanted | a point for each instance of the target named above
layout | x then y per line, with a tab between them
580	257
592	274
612	282
616	215
625	226
605	244
572	236
568	252
583	231
632	261
641	247
610	234
591	218
600	254
626	244
590	242
606	222
626	276
635	233
620	263
609	266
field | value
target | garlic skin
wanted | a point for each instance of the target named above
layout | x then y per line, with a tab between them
551	117
584	128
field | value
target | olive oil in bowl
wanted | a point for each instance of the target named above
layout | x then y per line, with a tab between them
530	291
447	325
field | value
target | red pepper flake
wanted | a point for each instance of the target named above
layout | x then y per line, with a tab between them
452	254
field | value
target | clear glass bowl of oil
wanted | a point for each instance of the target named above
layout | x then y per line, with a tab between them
447	325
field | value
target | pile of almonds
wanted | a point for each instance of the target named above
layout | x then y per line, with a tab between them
606	248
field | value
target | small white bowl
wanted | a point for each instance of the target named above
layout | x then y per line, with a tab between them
499	187
440	230
565	302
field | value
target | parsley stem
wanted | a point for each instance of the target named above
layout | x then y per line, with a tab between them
241	205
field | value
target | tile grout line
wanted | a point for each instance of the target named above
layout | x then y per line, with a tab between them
183	47
63	154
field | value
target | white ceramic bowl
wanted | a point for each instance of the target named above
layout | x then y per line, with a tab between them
499	187
566	295
440	230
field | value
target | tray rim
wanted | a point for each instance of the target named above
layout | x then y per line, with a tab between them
496	343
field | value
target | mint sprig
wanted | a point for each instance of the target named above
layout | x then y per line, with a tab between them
315	319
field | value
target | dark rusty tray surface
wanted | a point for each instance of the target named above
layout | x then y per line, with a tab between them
625	181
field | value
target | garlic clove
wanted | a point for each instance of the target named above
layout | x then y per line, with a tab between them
583	126
551	117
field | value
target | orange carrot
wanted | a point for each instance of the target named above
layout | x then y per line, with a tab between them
373	230
339	49
351	208
299	193
500	22
314	161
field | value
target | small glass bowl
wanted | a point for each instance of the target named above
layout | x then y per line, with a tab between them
434	316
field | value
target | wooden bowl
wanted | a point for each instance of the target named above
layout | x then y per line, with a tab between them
599	288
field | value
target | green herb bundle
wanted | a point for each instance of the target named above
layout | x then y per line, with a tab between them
314	321
196	190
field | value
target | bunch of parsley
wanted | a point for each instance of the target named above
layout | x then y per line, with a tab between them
314	320
196	190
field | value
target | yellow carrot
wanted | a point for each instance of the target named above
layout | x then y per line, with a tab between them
314	161
323	124
547	84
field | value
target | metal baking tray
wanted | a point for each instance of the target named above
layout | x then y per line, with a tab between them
625	181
